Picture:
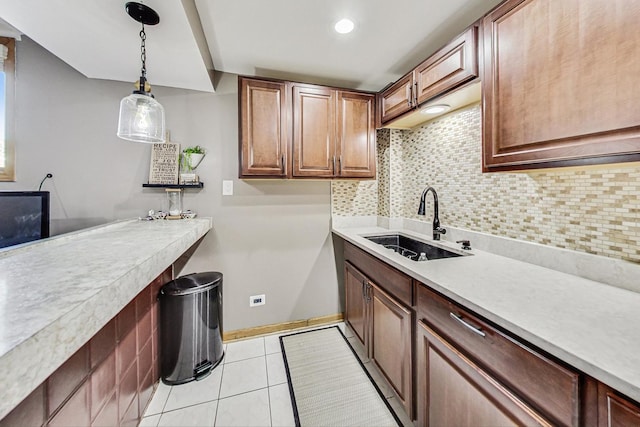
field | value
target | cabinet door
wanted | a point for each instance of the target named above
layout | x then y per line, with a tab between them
560	83
451	66
314	124
355	313
555	390
264	135
390	347
356	135
397	99
454	391
616	411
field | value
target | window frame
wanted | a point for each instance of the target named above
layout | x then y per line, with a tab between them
8	172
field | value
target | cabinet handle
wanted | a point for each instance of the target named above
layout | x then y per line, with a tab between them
365	290
282	160
340	164
415	94
409	97
467	325
334	165
368	291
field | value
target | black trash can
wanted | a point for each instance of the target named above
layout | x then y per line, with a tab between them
190	327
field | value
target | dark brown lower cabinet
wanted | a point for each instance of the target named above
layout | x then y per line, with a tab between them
356	303
545	384
110	380
616	411
390	346
383	325
454	391
451	367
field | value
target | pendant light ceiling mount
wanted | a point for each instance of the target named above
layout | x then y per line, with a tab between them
141	116
142	13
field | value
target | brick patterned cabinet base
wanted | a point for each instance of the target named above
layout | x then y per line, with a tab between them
110	380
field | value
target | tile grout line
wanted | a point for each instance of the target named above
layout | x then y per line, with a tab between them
248	358
164	405
266	367
215	419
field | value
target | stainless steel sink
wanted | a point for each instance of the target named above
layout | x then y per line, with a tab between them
413	249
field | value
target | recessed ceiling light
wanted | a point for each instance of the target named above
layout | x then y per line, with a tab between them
436	109
344	26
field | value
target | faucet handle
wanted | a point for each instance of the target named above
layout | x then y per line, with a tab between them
466	244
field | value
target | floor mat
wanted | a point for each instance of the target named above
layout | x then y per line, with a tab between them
328	384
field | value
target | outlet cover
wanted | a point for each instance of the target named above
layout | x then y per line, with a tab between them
256	300
227	188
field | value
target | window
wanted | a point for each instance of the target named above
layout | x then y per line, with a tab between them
7	87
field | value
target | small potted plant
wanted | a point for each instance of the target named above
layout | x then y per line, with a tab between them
191	157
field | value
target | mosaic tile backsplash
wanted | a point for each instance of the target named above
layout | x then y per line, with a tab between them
594	210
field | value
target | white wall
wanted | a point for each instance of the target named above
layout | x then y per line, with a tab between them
270	237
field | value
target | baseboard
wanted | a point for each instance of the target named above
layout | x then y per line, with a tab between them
277	327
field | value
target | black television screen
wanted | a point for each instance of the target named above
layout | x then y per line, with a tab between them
24	216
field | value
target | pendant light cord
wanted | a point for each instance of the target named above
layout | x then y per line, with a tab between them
49	175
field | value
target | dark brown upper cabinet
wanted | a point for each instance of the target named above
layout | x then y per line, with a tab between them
264	135
356	135
296	130
333	133
450	67
397	99
560	84
314	138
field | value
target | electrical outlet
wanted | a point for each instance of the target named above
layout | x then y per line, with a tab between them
256	300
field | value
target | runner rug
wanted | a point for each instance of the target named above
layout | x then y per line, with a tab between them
329	386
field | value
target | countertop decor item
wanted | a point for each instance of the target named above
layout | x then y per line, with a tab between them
174	195
190	158
141	116
164	164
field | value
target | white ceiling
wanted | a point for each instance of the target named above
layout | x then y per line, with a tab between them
291	39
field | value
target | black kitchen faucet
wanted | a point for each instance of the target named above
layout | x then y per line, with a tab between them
437	230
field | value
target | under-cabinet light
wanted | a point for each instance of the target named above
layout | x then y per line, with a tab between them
436	109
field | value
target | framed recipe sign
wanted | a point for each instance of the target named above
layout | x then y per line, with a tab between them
165	164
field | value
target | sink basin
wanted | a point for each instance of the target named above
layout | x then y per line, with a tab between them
411	248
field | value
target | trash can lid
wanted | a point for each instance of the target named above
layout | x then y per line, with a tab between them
192	283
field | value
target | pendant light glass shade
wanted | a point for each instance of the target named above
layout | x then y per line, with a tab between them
141	116
141	119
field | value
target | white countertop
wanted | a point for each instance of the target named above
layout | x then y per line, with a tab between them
57	293
589	325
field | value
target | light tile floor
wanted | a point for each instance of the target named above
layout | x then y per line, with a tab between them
249	388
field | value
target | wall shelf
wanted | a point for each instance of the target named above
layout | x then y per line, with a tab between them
197	185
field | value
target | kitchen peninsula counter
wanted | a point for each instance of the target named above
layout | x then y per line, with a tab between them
587	324
57	293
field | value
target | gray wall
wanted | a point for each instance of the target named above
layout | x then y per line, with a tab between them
270	237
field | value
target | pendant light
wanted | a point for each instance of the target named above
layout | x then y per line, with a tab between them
141	116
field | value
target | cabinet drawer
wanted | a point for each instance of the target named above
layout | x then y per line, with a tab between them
388	278
548	386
